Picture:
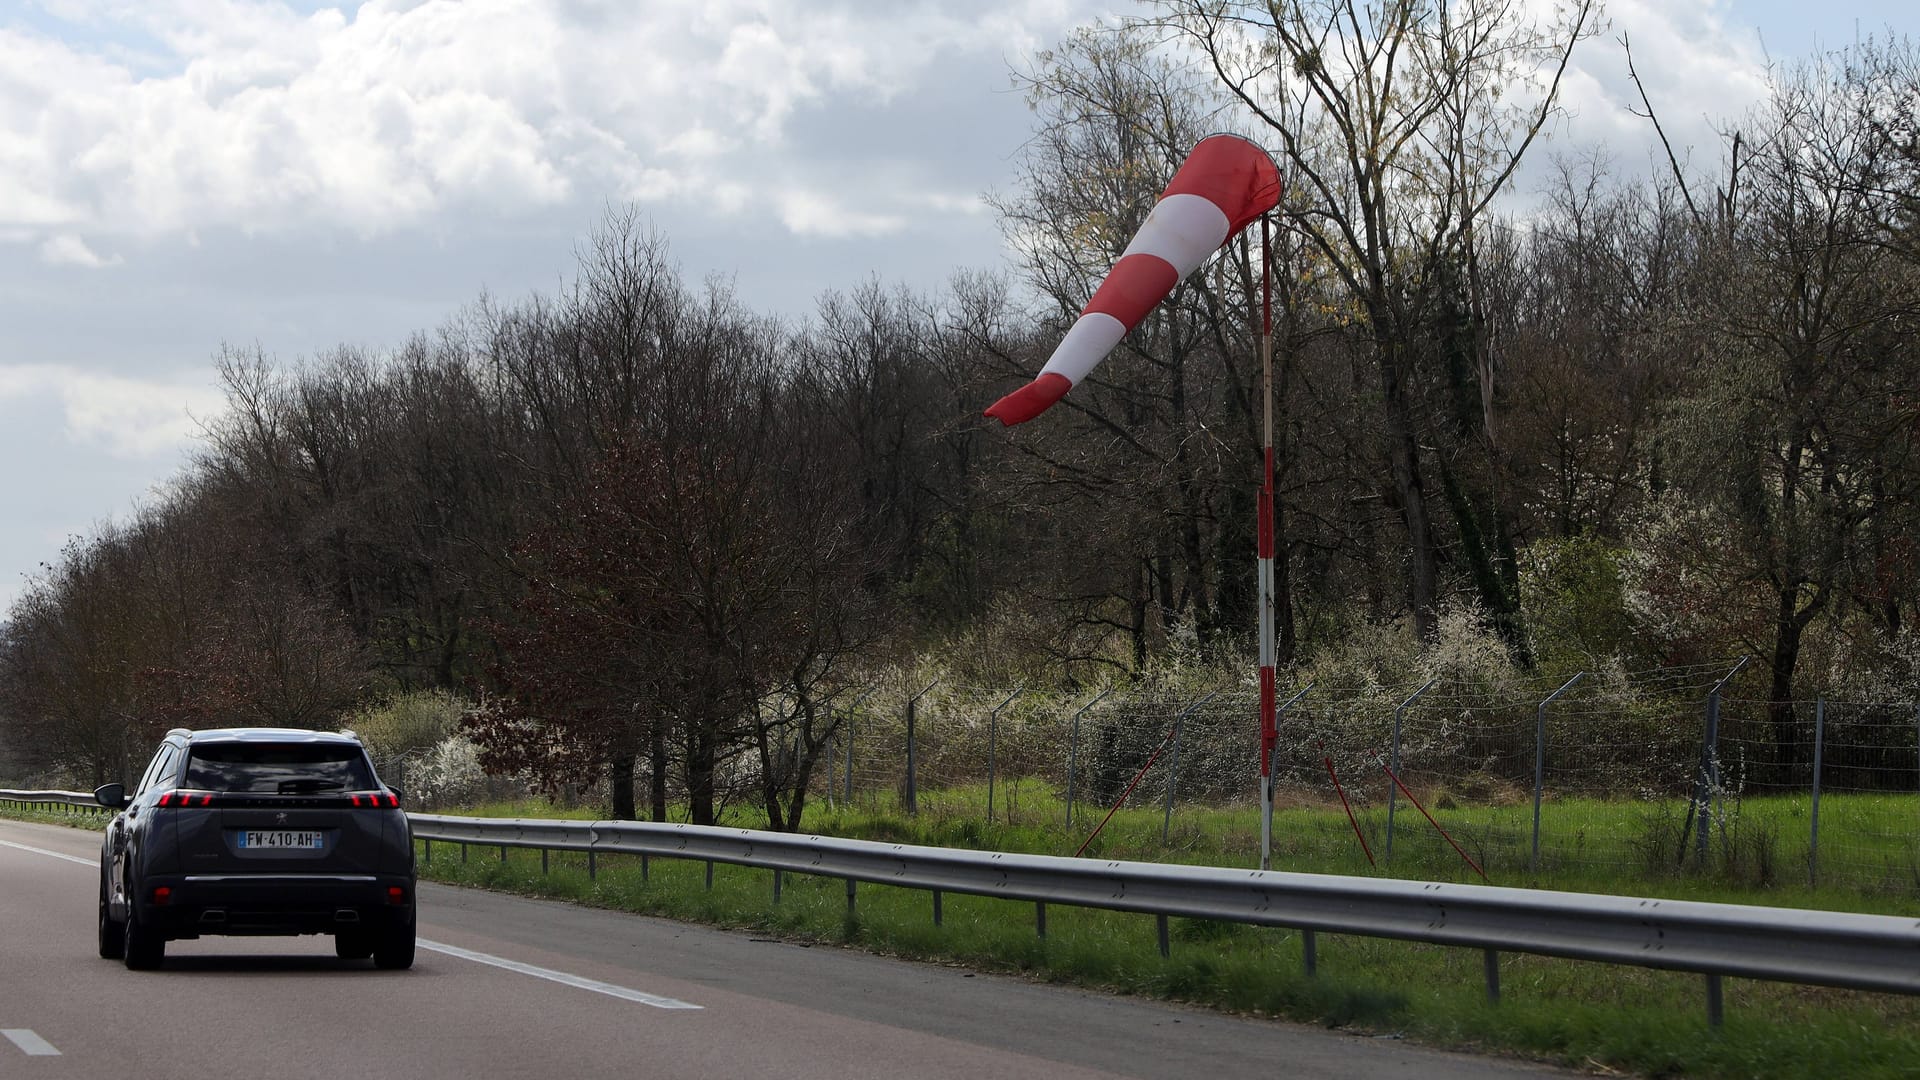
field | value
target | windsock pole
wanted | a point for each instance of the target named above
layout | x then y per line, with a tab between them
1269	735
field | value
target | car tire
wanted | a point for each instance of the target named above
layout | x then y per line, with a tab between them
352	945
393	949
143	947
113	937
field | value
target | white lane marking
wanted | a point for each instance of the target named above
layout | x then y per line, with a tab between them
53	854
561	977
32	1044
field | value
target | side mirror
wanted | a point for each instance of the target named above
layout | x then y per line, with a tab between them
111	796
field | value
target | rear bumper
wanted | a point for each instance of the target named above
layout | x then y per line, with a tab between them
276	904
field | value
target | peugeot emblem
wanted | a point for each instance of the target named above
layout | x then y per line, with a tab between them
279	819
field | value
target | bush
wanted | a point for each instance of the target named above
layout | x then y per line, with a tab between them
408	723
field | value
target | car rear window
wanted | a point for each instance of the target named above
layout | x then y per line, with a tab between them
278	768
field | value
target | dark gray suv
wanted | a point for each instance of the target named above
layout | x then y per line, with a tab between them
258	831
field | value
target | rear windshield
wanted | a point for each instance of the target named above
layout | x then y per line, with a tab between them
279	768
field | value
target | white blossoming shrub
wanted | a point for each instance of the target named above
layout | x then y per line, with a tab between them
447	774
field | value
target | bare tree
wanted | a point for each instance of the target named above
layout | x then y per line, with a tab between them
1400	123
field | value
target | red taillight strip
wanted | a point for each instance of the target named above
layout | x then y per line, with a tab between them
376	800
186	798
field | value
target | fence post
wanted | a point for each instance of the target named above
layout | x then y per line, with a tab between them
1540	762
1266	809
1819	740
913	797
1393	801
1173	773
1073	749
1710	765
852	712
993	735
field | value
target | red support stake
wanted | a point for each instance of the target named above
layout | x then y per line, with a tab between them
1344	805
1384	767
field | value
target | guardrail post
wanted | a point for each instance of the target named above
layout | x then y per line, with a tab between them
850	885
1160	924
593	869
776	886
1819	739
1399	715
939	916
429	853
709	875
543	860
1309	952
1716	1005
1040	918
646	867
1490	961
503	853
1540	762
463	854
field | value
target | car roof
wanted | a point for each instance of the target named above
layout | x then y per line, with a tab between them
268	734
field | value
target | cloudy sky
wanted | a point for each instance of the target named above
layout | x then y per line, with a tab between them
179	174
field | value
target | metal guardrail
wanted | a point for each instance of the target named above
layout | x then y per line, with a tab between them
71	800
1854	951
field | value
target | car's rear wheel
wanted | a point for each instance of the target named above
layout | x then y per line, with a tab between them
393	950
353	945
113	938
143	947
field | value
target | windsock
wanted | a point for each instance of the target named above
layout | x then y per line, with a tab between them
1224	184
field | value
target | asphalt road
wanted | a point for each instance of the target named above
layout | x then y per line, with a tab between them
510	987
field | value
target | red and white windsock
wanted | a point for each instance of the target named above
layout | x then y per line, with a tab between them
1224	184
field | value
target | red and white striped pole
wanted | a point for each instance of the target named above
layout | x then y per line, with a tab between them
1269	733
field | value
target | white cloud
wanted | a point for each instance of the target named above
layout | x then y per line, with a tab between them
809	213
125	417
249	115
66	249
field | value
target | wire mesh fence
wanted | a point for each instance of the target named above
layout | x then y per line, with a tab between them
1606	773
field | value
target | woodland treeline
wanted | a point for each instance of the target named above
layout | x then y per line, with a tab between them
651	533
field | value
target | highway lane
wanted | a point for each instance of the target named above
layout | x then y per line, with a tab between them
586	993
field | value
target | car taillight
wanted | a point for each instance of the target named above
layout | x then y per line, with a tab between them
186	798
376	800
162	896
396	896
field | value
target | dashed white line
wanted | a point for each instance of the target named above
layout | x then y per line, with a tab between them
53	854
561	977
33	1045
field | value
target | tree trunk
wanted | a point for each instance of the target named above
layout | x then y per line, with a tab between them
657	761
1403	453
700	769
620	783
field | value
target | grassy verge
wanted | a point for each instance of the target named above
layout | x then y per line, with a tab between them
1579	1014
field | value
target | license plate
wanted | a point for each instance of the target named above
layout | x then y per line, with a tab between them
282	839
